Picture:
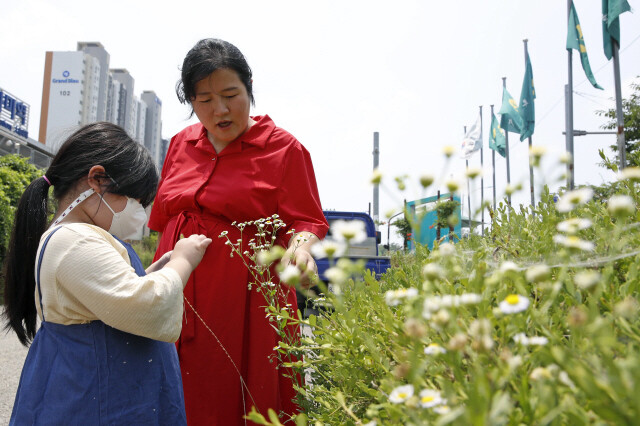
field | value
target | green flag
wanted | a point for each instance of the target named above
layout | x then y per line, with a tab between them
527	95
510	119
611	10
575	40
497	140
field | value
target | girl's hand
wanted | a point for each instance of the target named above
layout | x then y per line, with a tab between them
160	263
187	254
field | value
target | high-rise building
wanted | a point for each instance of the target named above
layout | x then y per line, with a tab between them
141	120
113	100
126	118
80	88
70	94
153	125
96	50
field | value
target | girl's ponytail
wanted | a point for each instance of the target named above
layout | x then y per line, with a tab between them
29	224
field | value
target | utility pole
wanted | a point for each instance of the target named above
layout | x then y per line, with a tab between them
376	187
568	95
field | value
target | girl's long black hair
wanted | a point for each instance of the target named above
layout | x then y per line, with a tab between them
127	162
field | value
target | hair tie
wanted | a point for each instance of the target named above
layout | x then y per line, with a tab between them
47	179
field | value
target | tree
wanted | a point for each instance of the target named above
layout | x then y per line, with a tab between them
404	229
631	112
15	175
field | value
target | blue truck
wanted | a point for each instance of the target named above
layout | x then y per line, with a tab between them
366	250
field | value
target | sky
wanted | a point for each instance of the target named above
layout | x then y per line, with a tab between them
334	72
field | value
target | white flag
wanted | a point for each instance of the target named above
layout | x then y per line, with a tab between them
472	141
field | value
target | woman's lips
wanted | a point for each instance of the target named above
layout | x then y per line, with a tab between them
224	124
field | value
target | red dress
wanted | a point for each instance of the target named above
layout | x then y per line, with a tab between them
265	171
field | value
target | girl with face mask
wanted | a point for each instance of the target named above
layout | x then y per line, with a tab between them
103	353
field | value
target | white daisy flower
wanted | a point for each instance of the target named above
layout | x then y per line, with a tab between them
621	205
565	158
426	180
290	275
573	225
510	189
473	172
434	349
537	273
586	279
447	249
540	373
394	297
508	266
376	177
470	298
537	151
572	241
336	275
435	303
430	398
452	185
432	271
328	248
513	304
442	409
449	150
401	394
352	231
524	340
572	199
631	173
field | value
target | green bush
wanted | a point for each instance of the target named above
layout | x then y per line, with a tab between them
536	323
15	175
146	248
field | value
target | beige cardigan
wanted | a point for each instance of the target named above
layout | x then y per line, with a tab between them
86	275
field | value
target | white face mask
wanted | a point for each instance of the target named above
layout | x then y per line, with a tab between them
128	223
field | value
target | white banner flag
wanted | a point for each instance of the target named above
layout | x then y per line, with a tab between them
472	141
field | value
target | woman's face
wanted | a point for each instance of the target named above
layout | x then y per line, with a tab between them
222	106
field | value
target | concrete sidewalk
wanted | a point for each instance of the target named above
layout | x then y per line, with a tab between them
12	355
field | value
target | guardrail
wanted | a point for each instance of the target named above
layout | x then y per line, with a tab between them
37	153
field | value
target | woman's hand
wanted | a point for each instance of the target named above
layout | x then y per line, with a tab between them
187	254
299	254
160	263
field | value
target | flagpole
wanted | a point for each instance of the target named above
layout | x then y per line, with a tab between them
619	112
468	188
482	175
569	110
506	150
493	165
533	200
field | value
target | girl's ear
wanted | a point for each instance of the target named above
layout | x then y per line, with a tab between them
97	179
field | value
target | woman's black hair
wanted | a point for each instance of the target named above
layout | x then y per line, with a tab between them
207	56
133	174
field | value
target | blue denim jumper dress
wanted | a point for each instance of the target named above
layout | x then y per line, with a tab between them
93	374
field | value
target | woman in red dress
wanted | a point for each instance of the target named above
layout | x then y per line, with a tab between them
231	167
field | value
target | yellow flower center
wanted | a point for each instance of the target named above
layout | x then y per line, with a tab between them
426	399
512	299
402	395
